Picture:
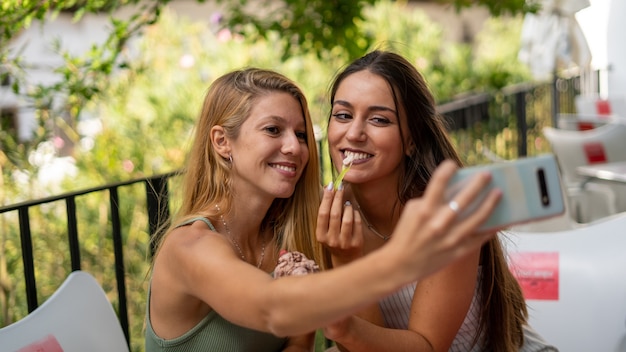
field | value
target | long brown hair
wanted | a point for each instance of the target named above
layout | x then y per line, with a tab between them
503	308
207	181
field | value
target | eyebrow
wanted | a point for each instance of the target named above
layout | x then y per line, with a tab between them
275	118
280	119
370	108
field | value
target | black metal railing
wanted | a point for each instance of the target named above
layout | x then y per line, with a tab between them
520	106
157	201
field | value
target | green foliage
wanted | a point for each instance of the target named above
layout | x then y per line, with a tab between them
313	26
320	27
499	7
333	32
78	81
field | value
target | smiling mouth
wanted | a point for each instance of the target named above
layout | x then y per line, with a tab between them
284	167
352	156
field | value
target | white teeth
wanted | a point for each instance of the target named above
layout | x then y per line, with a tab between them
285	168
352	156
348	160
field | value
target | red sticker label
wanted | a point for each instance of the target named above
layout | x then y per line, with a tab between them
594	152
584	126
47	344
603	107
537	274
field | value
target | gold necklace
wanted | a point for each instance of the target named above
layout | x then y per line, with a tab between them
370	226
230	237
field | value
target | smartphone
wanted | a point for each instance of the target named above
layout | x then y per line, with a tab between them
531	190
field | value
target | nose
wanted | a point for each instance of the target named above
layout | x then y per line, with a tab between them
291	144
356	130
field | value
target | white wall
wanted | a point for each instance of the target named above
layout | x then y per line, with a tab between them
604	24
616	50
35	45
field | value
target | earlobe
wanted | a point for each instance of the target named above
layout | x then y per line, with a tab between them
411	149
220	142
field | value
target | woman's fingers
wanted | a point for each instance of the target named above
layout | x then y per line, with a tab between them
357	232
478	216
335	219
347	226
351	236
443	234
464	233
448	211
323	214
339	226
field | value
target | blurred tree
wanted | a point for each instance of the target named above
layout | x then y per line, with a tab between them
324	28
78	80
498	7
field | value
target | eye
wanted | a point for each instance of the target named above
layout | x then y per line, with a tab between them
301	136
380	120
342	116
273	130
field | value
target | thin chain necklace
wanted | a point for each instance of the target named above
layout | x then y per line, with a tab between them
230	237
370	226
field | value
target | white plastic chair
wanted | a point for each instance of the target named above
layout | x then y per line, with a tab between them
606	143
578	122
574	283
594	105
78	317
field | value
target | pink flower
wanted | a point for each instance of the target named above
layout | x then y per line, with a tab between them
128	166
294	264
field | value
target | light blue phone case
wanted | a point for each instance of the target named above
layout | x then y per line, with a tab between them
526	195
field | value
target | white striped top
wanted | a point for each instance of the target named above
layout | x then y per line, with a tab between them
396	310
397	307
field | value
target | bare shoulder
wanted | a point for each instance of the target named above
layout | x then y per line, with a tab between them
187	256
175	307
184	243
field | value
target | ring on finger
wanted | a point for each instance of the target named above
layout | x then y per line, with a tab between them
454	206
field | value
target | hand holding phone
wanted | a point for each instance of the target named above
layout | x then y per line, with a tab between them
531	190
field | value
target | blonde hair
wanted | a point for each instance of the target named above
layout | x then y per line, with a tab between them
207	181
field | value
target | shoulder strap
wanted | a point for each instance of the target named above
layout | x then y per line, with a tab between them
199	218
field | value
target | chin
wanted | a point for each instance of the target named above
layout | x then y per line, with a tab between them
285	193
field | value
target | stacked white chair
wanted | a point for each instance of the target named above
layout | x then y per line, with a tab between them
78	317
589	200
594	105
579	122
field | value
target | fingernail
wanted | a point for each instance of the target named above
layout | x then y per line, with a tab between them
340	186
330	186
347	203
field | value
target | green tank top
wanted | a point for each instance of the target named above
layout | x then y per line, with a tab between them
213	333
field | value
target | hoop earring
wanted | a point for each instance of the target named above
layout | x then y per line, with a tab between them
230	159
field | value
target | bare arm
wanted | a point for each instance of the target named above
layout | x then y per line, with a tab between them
204	267
440	304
